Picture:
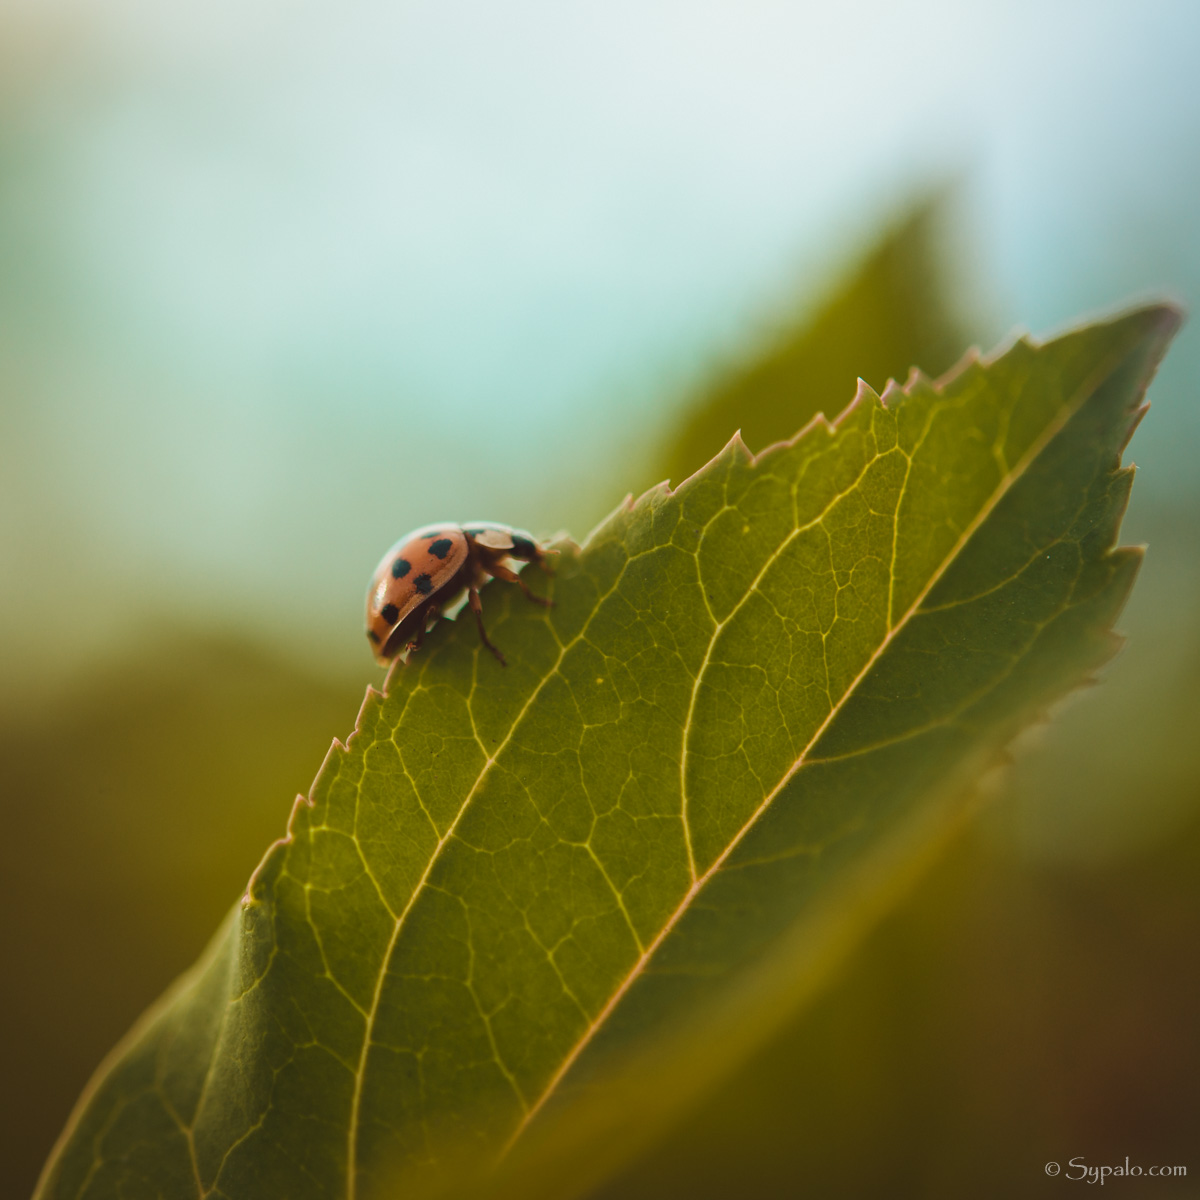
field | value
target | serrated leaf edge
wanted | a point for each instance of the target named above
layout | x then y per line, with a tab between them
736	447
892	394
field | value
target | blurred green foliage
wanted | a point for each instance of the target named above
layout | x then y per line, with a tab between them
894	310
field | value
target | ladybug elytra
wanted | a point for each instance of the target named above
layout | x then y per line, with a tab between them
429	569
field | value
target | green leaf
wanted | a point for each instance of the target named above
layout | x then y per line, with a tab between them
528	911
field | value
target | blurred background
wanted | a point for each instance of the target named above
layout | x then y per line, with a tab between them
279	283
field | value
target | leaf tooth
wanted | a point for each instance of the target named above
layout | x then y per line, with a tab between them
737	448
372	698
335	748
864	394
278	846
970	359
894	394
612	524
919	383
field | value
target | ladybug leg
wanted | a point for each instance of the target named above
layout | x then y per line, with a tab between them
510	576
423	629
477	609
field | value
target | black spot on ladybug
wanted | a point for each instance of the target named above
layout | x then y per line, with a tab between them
423	584
389	612
400	568
373	636
441	547
523	548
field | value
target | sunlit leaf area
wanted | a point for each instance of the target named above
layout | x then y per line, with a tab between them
834	831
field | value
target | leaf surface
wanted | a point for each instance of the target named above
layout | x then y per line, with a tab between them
513	886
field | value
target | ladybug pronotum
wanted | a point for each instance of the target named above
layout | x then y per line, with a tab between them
430	569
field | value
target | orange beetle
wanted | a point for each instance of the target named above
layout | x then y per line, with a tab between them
429	569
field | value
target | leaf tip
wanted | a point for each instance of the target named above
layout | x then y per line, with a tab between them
1166	312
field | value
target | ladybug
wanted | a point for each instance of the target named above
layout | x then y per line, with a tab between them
430	569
